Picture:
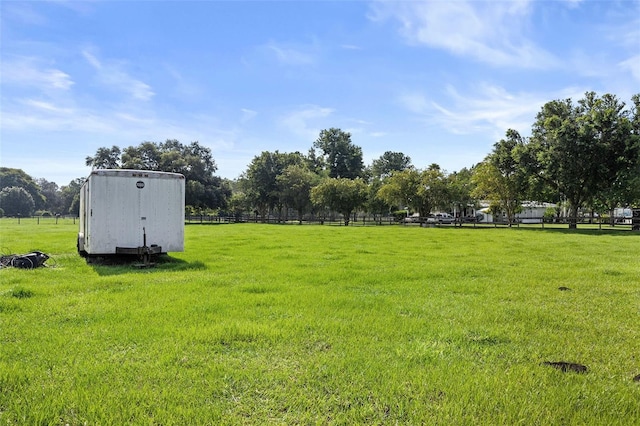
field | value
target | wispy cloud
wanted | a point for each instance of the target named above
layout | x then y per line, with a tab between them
628	37
632	65
307	121
292	54
486	32
31	72
247	115
115	77
487	109
30	115
22	13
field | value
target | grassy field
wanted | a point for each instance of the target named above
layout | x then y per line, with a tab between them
267	324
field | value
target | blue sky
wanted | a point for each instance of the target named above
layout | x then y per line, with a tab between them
440	81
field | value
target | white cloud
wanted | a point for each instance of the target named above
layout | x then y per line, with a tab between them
112	75
247	114
291	56
305	122
488	32
28	71
414	102
488	109
47	106
632	65
378	134
23	13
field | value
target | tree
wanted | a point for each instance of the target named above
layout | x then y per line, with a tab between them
376	204
260	180
18	178
203	189
16	201
239	204
434	190
500	178
421	191
579	150
621	185
295	183
342	158
388	163
51	192
342	195
105	158
461	188
401	189
71	196
146	156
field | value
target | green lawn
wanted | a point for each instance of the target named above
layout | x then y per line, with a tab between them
267	324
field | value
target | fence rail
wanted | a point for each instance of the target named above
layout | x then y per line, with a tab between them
361	220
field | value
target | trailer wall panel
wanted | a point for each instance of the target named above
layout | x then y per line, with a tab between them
120	207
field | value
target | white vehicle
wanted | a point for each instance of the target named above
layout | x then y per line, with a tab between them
136	212
440	218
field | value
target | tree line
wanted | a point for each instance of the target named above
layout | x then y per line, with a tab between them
584	155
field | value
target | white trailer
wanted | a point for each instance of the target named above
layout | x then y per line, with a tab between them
131	212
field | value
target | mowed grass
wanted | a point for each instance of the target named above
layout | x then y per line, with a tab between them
268	324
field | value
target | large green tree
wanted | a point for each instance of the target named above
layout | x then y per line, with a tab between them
10	177
295	184
341	195
388	163
461	188
70	195
203	190
580	149
375	204
105	158
342	158
420	190
500	178
51	192
621	128
260	181
16	201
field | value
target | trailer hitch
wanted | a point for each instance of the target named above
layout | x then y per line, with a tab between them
144	252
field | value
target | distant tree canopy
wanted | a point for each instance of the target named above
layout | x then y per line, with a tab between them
202	189
587	151
585	155
341	195
18	178
419	190
341	157
16	201
260	182
500	179
388	163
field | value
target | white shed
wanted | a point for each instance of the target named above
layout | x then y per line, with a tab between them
131	212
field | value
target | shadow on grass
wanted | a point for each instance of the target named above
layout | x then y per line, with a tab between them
116	265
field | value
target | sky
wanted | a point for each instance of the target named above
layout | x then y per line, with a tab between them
440	81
